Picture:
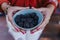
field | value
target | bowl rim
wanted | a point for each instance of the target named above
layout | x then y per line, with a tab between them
28	28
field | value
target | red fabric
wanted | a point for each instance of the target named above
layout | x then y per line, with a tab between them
59	1
24	3
34	3
1	1
53	4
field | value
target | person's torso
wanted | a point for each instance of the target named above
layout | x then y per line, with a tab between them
28	3
32	3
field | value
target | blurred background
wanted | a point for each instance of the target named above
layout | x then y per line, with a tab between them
51	31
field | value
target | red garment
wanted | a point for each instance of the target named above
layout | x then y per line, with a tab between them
34	3
59	1
1	1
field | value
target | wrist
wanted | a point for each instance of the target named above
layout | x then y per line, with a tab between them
51	7
4	6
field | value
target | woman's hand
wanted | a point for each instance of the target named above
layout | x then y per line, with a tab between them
10	13
47	12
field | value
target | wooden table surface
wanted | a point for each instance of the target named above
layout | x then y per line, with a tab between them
4	35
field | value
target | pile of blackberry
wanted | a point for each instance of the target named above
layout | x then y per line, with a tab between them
27	20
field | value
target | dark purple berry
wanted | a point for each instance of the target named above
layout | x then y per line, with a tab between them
27	20
33	14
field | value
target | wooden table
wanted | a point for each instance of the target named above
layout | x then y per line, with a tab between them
4	35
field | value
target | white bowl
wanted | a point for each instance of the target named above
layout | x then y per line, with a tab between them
25	11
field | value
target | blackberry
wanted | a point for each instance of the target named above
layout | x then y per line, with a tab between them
23	19
27	20
20	24
36	18
21	16
26	25
31	25
27	15
36	22
17	18
33	14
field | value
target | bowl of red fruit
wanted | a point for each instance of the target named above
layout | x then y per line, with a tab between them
28	19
